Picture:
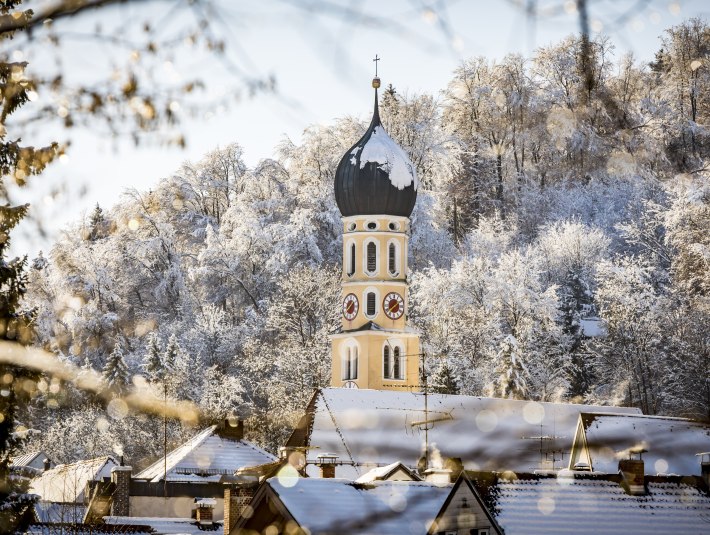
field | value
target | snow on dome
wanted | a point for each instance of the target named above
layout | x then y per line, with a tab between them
382	149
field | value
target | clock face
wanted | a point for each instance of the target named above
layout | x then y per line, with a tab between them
350	307
393	305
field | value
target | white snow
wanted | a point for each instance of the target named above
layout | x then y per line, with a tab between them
341	506
66	482
671	442
592	506
206	457
162	525
374	428
382	149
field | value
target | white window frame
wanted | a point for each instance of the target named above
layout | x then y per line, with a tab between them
377	257
350	250
392	344
368	290
350	360
397	257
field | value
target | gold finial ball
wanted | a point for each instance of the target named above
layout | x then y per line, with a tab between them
376	82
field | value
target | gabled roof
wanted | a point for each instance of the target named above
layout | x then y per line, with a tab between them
385	473
165	526
589	504
672	443
206	457
33	459
371	427
65	483
342	506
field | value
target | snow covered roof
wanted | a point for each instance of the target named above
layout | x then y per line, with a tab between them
85	529
59	512
371	427
206	457
33	459
672	443
589	505
167	526
342	506
65	483
382	150
398	470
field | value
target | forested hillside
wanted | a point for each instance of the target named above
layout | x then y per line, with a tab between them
548	197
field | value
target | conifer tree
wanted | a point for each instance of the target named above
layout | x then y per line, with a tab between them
445	381
17	164
512	372
115	371
152	362
171	353
97	223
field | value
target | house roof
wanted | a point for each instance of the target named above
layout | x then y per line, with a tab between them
370	427
65	483
59	512
33	458
86	529
343	506
206	457
165	526
589	505
385	472
672	443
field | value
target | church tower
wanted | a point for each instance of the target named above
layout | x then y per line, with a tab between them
375	188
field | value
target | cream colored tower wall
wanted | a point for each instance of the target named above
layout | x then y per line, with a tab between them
387	275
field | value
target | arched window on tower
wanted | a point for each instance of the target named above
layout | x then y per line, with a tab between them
349	365
371	304
351	260
392	259
397	371
371	257
387	362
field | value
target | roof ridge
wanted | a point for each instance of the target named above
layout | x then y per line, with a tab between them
199	438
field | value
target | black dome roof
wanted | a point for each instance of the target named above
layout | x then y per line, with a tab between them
368	189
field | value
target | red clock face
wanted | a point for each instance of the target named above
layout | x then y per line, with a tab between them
393	305
350	307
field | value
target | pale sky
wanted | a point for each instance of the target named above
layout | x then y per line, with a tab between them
323	67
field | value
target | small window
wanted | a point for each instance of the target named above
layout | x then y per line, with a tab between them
371	225
351	227
351	263
371	257
394	226
371	304
392	258
386	362
397	367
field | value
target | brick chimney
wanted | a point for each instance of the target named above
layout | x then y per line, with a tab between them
204	510
326	462
121	477
632	472
236	503
47	464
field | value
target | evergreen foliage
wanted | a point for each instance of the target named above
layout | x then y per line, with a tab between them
444	381
115	371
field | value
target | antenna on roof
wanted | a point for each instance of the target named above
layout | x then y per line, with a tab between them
547	463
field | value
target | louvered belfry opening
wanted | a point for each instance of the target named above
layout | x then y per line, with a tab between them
371	257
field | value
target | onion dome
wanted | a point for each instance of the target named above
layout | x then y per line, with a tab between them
376	176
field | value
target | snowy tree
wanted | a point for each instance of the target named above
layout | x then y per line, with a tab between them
444	381
152	362
511	380
115	371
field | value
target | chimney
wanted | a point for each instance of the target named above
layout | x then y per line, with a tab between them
231	428
205	508
632	472
236	503
705	466
121	477
47	464
295	457
326	462
438	476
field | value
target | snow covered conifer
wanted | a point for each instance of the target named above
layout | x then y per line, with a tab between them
444	380
115	372
512	372
152	362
